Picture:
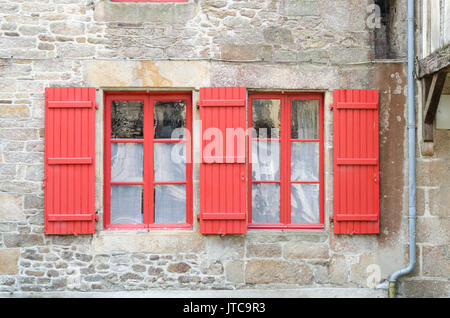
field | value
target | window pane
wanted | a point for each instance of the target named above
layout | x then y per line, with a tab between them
170	161
265	203
127	162
265	161
305	119
304	203
170	204
170	116
127	120
304	161
126	204
266	118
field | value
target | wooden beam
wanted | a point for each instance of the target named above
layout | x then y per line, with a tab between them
433	90
434	62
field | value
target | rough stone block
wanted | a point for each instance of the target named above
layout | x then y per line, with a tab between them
178	268
225	248
338	270
14	111
277	35
433	230
424	289
432	172
359	271
264	250
22	240
277	271
9	261
11	207
234	271
439	202
436	261
299	7
306	251
245	51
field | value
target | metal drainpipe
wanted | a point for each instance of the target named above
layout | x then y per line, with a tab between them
412	155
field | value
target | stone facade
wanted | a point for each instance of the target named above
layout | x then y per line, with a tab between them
303	45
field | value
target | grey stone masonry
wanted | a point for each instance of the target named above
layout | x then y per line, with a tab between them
264	45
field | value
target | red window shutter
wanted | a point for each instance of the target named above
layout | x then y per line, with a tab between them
356	162
69	182
223	196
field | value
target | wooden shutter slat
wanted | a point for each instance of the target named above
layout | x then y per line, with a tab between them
223	197
70	104
69	183
69	161
356	162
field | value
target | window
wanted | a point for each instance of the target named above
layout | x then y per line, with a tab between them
148	166
286	161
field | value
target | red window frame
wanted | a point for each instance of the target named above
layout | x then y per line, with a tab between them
148	141
285	161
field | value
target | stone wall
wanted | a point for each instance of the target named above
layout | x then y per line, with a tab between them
263	45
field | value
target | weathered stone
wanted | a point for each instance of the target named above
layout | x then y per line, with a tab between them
52	273
178	268
138	268
163	12
18	134
439	202
31	29
11	207
46	46
22	240
34	273
273	271
245	52
9	259
93	278
306	251
131	276
14	111
59	283
221	248
338	270
359	272
189	279
424	288
433	230
66	28
278	35
147	243
32	201
215	268
155	271
299	7
263	250
234	271
436	261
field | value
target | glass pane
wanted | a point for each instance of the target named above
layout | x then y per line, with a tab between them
266	161
170	161
265	203
266	118
127	120
170	118
305	119
127	162
305	203
304	161
170	204
126	204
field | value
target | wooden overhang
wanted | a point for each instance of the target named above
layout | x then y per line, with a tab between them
432	71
